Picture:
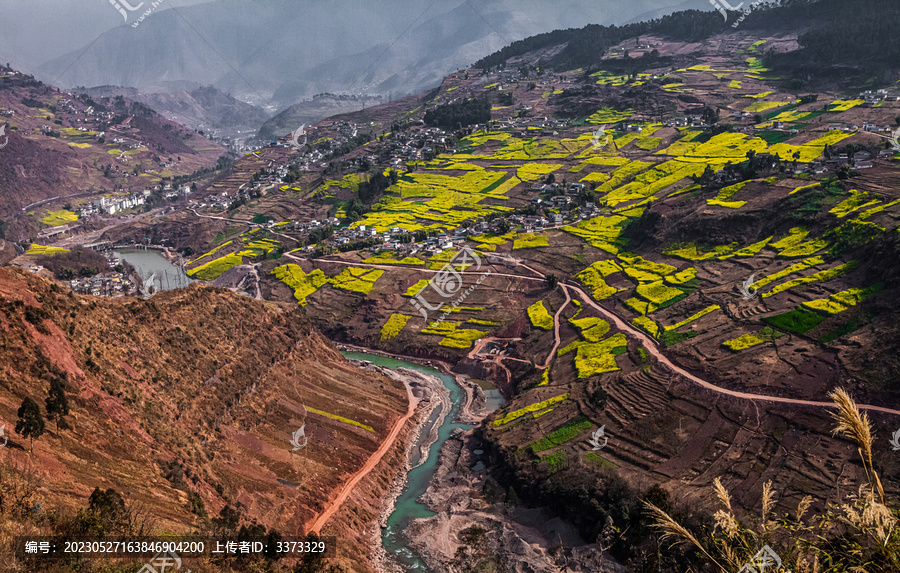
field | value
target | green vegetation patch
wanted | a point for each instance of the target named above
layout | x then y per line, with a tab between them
844	105
388	259
593	329
857	200
561	435
341	419
35	249
534	171
57	218
695	316
727	193
821	276
658	292
216	268
800	321
695	252
355	279
646	324
597	358
555	461
841	301
594	458
754	249
672	337
742	342
493	239
454	337
416	288
209	254
545	378
530	241
609	115
648	143
686	276
303	284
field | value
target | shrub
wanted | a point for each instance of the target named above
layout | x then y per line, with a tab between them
561	435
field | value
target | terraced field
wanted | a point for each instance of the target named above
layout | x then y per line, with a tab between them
717	270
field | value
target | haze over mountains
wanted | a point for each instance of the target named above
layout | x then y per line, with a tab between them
275	53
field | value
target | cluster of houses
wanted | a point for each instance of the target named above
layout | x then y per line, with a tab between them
110	284
118	203
89	116
859	160
313	159
693	121
301	227
421	144
525	126
873	97
221	201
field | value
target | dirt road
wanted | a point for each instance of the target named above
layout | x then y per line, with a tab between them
650	344
552	354
370	464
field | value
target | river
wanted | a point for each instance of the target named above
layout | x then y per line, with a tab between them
407	506
150	264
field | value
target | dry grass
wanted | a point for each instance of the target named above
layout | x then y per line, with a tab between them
858	536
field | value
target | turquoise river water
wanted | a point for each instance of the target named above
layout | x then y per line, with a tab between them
407	507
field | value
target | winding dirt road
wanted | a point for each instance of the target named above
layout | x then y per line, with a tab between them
370	464
556	329
651	345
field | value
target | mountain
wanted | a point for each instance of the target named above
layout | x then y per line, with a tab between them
267	52
64	151
312	111
204	109
725	257
184	405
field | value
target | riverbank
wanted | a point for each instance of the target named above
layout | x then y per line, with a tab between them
442	393
473	411
464	502
416	453
432	394
473	525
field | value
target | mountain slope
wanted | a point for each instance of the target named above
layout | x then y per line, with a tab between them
71	149
265	50
202	109
185	401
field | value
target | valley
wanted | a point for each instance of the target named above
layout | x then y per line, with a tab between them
568	286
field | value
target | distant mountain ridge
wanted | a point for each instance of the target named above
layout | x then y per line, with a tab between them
267	53
203	109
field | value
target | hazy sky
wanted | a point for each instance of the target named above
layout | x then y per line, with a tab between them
34	31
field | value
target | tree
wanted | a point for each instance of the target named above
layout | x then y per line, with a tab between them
313	562
57	404
551	281
31	422
512	498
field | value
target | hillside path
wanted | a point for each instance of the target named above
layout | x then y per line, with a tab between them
650	344
370	464
556	329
